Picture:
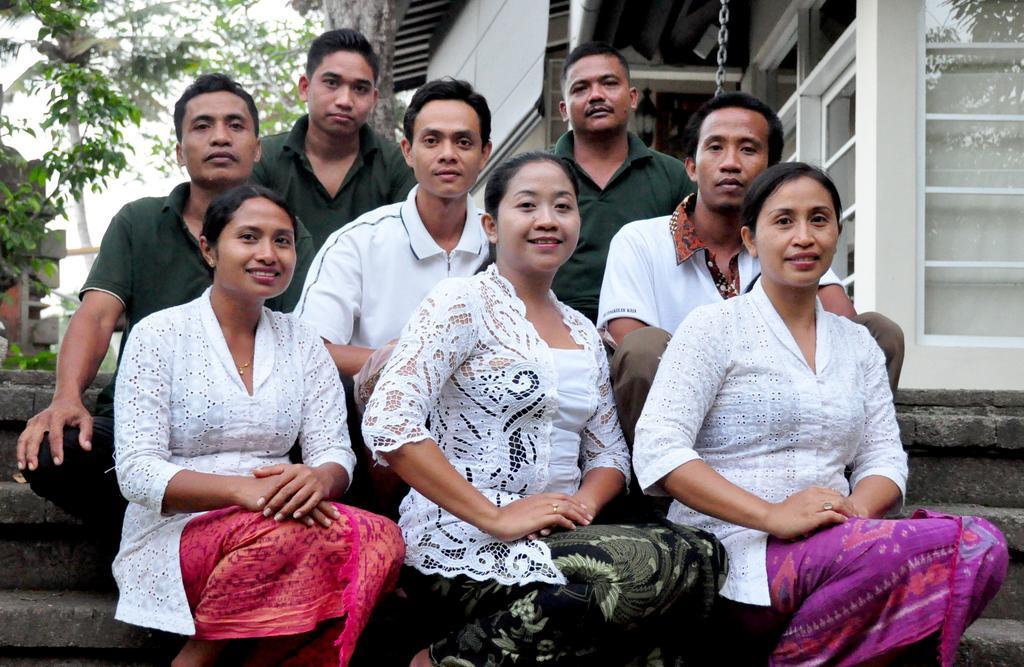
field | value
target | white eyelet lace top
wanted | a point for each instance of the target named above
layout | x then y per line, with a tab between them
181	405
734	390
471	362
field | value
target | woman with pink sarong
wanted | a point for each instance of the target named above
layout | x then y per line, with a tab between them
760	405
224	539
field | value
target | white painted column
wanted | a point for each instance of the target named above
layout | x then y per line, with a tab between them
886	244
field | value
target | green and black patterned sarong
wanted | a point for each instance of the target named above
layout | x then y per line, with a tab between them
635	595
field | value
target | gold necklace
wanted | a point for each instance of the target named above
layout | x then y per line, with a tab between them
241	369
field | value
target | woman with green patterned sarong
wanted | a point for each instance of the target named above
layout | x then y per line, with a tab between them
523	452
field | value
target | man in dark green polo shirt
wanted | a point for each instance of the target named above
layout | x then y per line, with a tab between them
331	167
149	260
621	179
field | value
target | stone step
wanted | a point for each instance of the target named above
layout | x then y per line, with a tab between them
959	398
966	479
20	507
27	392
973	421
59	620
1009	601
78	630
70	562
41	547
992	642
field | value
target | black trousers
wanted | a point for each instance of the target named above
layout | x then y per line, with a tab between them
84	484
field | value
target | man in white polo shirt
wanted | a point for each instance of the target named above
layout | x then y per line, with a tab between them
370	275
660	269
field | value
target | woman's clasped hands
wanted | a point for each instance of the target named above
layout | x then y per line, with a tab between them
290	491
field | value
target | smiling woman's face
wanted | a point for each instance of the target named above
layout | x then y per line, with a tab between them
254	256
538	221
796	234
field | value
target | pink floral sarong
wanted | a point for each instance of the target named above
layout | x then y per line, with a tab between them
249	576
866	587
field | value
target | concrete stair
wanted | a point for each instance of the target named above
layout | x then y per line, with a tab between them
57	598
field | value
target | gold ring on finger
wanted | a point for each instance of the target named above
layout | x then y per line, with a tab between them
827	506
554	507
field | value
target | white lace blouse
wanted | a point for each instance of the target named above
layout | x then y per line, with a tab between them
734	390
471	362
181	405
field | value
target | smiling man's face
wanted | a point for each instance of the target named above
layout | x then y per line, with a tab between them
597	97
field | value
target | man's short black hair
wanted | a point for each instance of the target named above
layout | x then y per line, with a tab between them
213	83
587	49
448	89
742	101
343	39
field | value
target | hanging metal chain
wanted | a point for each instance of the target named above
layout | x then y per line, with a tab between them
723	45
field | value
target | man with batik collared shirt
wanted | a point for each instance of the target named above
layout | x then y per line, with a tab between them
661	268
331	167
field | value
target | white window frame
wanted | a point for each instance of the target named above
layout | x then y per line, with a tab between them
923	264
805	109
826	162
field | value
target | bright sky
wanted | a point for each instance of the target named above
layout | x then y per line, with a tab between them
141	180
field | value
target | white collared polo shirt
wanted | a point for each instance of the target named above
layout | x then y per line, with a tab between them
371	274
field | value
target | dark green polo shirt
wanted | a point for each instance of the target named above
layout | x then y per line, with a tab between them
378	176
648	184
150	261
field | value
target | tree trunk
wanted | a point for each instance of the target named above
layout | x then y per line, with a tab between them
376	19
81	222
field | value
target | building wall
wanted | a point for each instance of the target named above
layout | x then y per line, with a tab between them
498	46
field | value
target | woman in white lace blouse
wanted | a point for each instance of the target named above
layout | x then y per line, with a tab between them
223	538
759	406
523	451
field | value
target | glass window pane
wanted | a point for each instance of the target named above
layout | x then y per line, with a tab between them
989	82
975	228
973	21
974	302
842	172
971	153
974	65
840	118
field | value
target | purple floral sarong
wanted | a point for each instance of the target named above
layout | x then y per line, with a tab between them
868	586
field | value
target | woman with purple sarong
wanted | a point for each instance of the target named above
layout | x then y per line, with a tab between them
760	405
